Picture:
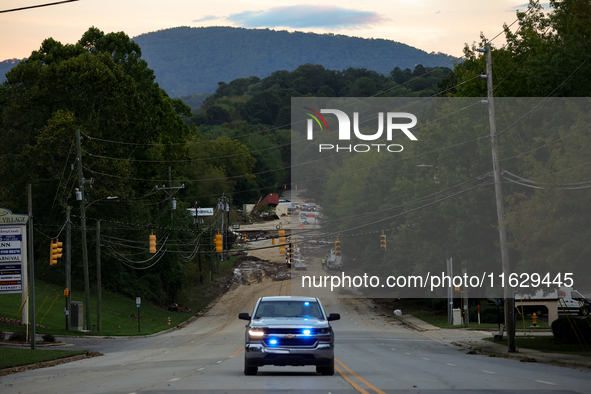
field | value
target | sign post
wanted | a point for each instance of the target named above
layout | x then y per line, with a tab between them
138	301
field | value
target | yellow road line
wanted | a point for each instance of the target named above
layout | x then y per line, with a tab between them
352	383
237	352
369	385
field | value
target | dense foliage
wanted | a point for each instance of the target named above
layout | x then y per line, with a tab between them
193	60
546	56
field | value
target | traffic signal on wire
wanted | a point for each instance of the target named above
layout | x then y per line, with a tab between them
281	241
218	243
55	251
383	240
337	247
152	243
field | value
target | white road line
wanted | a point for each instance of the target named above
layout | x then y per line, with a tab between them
453	365
541	381
392	348
174	379
488	371
408	354
200	369
219	362
424	358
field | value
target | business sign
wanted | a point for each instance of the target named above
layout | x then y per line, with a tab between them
201	211
11	279
204	211
9	218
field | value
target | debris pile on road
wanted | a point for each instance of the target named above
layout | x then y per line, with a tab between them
251	269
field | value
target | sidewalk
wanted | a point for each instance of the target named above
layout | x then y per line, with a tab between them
493	349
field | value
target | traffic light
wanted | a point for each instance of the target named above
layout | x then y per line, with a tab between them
290	253
218	243
152	243
244	237
55	252
383	240
337	247
281	241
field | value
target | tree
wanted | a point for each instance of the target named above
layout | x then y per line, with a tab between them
103	88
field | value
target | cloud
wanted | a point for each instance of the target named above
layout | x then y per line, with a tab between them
306	16
523	7
206	18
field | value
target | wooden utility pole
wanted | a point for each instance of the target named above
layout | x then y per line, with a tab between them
98	275
508	290
68	267
83	225
32	264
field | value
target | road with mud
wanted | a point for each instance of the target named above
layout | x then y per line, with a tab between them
374	354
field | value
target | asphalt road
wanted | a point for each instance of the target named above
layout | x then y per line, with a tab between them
374	354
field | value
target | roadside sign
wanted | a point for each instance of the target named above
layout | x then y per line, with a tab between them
138	301
11	257
204	211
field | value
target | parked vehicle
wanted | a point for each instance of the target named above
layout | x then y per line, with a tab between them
289	331
570	300
334	262
310	217
299	264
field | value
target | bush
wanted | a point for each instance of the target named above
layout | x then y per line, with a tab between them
488	314
18	336
48	338
563	330
437	304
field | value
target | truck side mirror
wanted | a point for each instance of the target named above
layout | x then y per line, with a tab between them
244	316
334	316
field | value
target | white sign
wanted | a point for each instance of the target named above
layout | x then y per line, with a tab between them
204	211
138	300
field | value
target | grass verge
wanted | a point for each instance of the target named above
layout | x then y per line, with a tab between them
119	313
11	357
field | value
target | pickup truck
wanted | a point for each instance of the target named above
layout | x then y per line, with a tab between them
289	331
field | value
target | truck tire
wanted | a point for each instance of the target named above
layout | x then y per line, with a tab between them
249	370
327	370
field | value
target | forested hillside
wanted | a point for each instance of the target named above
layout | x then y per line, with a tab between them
189	60
142	150
435	199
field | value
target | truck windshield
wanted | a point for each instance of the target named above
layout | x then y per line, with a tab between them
304	309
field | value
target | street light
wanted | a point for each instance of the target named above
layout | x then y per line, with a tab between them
103	198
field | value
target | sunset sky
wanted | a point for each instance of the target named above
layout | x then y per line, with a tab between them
433	26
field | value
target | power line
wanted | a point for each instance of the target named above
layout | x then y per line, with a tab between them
37	6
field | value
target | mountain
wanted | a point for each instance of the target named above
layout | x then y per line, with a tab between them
189	60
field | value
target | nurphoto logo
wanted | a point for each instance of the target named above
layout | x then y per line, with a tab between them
344	122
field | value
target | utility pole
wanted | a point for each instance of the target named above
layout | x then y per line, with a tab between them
83	225
170	191
508	290
224	206
32	263
68	266
98	275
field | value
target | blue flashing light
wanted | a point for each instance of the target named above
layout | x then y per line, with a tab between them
273	342
307	332
306	303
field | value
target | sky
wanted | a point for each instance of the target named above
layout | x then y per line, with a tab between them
430	25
